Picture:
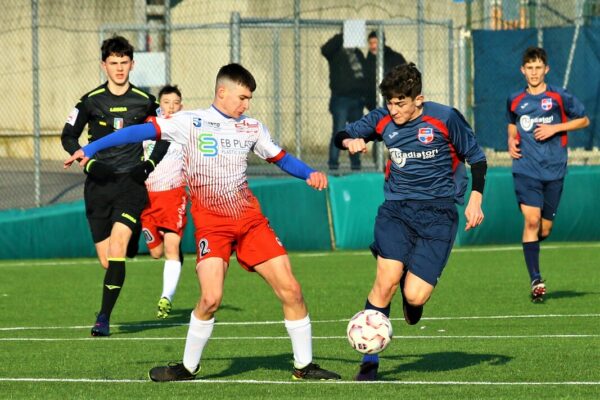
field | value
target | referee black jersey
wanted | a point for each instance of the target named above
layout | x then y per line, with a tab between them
104	113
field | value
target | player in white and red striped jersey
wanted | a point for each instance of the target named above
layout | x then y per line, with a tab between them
226	214
164	218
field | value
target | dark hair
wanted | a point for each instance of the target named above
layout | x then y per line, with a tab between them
535	53
373	34
238	74
116	46
168	89
402	81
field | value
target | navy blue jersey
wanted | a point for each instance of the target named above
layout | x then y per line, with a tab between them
427	154
544	160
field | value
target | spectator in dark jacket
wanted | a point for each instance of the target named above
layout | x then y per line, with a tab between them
347	84
391	58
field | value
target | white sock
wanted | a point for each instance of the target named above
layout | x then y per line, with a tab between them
198	334
171	273
301	334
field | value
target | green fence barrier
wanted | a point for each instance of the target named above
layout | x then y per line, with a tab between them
354	202
299	216
355	199
297	213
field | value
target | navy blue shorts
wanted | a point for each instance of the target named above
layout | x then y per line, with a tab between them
420	234
542	194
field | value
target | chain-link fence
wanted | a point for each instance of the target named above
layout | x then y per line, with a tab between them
51	48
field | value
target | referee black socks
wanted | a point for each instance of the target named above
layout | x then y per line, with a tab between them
113	281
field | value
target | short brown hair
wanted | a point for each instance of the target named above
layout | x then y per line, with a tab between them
535	53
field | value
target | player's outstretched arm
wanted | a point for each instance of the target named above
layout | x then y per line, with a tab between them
130	134
295	167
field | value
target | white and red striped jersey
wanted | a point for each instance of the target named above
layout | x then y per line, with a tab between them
215	156
168	173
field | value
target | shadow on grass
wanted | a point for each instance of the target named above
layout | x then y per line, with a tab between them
176	317
443	361
239	365
434	362
566	294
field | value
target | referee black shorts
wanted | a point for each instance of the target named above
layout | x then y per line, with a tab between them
117	200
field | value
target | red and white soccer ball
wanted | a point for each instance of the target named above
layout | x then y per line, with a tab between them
369	332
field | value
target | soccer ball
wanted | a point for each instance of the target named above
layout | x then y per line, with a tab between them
369	332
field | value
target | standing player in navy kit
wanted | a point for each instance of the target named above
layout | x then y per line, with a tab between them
114	192
425	176
538	120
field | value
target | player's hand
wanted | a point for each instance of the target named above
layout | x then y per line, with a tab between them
77	156
99	170
513	148
473	212
355	145
317	180
543	132
140	172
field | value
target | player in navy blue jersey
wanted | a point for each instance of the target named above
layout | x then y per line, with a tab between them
425	176
539	117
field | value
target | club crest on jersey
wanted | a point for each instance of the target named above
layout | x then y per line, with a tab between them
118	123
425	135
546	104
197	122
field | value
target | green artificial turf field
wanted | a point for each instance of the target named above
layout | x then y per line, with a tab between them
480	336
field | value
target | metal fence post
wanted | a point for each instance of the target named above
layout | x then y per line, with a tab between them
167	34
35	60
380	64
297	79
277	84
234	38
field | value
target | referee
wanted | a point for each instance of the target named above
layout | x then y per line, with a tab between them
114	192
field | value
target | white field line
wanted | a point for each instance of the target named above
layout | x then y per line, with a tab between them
34	263
477	337
253	323
265	382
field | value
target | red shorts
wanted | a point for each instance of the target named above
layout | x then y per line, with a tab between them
165	212
250	236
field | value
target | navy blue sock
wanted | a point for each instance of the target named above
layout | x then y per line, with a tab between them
374	358
531	251
385	310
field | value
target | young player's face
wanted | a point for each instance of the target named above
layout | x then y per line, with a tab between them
169	104
405	109
535	72
117	69
233	99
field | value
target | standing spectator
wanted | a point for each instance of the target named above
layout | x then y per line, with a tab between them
164	219
347	84
539	117
114	191
391	58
